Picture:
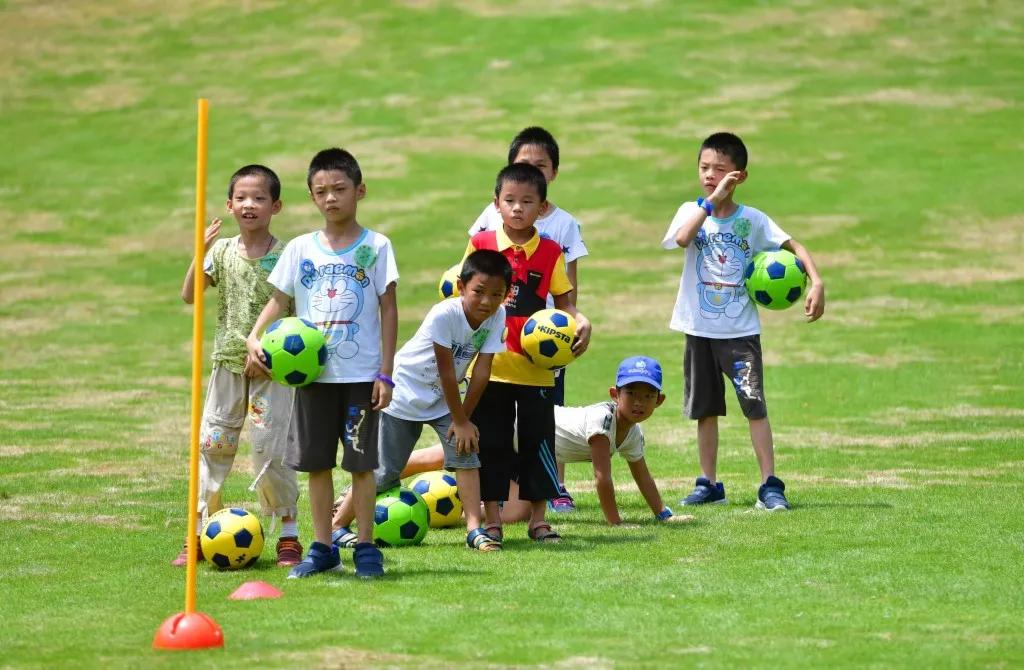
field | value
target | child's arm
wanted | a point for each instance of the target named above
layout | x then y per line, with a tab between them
695	219
814	303
188	288
564	303
467	437
478	382
388	342
570	269
601	458
275	307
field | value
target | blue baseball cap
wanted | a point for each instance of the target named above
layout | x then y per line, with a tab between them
639	369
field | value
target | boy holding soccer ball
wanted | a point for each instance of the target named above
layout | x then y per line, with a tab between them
519	393
428	369
342	278
239	267
721	324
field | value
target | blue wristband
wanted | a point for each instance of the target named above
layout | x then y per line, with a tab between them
664	514
704	204
387	380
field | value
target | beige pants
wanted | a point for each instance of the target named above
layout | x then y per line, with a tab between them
230	398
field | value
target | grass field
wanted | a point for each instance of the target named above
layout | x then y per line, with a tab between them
880	137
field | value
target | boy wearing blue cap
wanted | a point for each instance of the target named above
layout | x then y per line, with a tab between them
595	432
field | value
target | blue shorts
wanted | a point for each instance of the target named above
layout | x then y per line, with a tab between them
398	437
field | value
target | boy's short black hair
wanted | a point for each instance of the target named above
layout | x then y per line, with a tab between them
486	262
534	135
256	170
334	159
729	145
522	173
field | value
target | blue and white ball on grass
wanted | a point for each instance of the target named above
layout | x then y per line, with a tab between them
775	279
400	518
232	538
295	351
547	338
441	494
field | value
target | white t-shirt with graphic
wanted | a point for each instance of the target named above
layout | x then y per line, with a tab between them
574	426
558	225
418	395
339	291
712	300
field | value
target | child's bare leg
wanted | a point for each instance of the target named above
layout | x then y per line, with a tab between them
764	447
345	513
321	496
468	482
537	510
707	447
492	513
561	472
364	496
424	460
515	509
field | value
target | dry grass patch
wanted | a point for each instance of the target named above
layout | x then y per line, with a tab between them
808	438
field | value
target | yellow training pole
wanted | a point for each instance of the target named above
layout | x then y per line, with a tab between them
197	355
191	629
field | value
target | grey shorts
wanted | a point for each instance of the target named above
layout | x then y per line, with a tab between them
325	414
707	359
398	437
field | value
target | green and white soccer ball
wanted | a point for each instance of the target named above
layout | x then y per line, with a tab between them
440	492
775	279
232	538
295	350
400	518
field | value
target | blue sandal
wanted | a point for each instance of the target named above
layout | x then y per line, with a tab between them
343	538
480	540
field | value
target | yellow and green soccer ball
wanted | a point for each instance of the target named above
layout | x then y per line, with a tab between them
400	518
295	350
775	279
547	339
441	494
448	287
232	539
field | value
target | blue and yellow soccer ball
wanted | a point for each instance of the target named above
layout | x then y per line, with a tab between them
232	539
448	287
547	339
400	518
295	350
441	494
775	279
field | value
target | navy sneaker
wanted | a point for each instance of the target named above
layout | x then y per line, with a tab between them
706	493
369	561
320	558
771	496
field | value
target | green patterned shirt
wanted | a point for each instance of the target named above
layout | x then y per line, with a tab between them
244	292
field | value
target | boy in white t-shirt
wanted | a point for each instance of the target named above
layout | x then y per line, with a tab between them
538	147
342	278
428	370
720	322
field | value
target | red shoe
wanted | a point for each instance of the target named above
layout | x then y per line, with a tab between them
182	558
289	552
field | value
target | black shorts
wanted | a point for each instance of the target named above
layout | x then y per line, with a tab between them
707	359
323	414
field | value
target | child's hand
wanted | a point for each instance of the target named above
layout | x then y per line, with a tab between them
212	231
255	359
582	339
381	397
725	187
814	303
252	369
467	437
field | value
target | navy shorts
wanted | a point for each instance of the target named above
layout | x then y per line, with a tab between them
706	361
323	415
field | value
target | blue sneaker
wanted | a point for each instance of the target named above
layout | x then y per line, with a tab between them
563	502
369	561
320	558
344	538
771	496
706	493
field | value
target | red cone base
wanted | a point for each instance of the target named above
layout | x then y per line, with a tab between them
254	591
188	631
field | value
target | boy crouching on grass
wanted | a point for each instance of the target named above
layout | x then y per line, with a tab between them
428	370
238	266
